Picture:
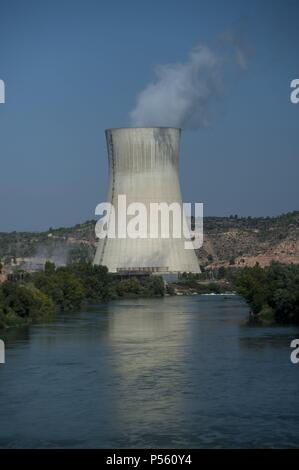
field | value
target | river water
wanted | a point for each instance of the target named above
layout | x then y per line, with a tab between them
175	372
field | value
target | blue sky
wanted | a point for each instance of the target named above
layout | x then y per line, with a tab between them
74	68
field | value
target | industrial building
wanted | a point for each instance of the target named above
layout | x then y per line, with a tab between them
143	166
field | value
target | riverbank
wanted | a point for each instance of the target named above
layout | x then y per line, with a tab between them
272	293
43	294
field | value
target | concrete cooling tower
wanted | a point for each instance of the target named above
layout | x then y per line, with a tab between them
143	166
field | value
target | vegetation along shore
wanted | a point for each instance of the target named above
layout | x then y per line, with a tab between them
272	293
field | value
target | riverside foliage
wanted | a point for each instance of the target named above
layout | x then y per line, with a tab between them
272	292
66	288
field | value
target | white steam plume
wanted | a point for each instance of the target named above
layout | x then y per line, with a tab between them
186	94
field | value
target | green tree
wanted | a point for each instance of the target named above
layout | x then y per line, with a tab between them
49	267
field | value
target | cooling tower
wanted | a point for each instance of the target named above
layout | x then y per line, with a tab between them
143	166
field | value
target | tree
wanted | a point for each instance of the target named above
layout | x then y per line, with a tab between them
272	289
49	267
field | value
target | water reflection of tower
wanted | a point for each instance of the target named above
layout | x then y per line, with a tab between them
150	343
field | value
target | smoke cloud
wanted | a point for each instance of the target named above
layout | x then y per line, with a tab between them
188	94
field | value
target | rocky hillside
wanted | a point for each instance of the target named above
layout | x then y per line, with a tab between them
228	241
233	241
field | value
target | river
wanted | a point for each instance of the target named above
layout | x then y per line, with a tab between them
158	373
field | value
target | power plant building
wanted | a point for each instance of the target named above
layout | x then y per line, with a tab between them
143	166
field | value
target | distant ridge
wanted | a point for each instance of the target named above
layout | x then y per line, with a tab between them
228	241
